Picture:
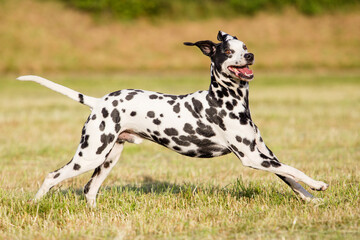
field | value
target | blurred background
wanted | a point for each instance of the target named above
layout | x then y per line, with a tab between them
61	36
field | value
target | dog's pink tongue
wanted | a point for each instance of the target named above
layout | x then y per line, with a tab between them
246	71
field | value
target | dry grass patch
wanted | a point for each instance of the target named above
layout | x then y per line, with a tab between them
52	37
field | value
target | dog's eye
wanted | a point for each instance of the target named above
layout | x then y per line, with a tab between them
244	47
228	52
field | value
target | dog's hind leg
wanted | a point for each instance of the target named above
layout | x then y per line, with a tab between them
92	187
92	151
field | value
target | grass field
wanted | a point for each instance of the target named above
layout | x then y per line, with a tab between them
310	120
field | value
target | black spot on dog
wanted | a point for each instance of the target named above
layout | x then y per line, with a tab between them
87	187
150	114
104	112
153	96
188	129
188	107
176	108
211	111
213	82
117	93
161	115
81	98
213	102
129	97
234	148
83	130
190	153
265	164
156	133
117	127
239	92
180	142
171	102
133	113
76	166
225	151
252	145
171	132
233	94
115	103
204	130
80	154
197	105
105	139
164	141
96	172
93	117
197	141
233	116
183	96
157	121
115	115
176	148
224	90
275	164
57	175
222	113
102	126
238	138
243	118
84	141
106	164
263	156
229	106
246	141
173	97
155	138
241	154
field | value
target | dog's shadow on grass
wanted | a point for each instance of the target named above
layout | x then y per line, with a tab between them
238	189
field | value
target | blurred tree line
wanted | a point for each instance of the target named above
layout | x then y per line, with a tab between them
198	9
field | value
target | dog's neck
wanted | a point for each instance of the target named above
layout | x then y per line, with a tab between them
224	87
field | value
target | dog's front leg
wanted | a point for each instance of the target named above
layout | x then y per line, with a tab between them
247	150
296	187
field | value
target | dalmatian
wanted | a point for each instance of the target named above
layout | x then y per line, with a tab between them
203	124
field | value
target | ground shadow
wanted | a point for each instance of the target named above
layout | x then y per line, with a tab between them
238	189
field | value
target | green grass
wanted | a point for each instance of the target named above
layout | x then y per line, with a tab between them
311	121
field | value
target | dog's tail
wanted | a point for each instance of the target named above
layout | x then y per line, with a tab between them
81	98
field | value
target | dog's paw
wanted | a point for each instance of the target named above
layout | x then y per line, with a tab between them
91	203
316	201
320	186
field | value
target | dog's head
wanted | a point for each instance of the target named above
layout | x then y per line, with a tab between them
229	57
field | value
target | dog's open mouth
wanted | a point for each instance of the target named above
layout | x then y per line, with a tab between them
242	72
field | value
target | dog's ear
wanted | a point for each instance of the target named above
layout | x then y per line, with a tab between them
207	47
223	36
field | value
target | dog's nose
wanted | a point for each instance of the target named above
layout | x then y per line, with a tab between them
249	57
